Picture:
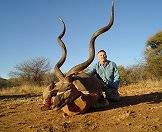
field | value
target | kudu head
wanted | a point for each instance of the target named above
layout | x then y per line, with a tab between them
66	80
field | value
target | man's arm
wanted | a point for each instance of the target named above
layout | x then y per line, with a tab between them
91	70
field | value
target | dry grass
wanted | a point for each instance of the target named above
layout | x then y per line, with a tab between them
142	87
25	89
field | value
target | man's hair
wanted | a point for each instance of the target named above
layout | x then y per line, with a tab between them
101	51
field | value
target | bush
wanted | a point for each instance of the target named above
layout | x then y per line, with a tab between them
31	71
4	83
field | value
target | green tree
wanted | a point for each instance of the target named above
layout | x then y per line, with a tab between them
153	55
123	75
4	83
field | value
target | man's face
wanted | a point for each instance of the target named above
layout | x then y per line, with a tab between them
102	57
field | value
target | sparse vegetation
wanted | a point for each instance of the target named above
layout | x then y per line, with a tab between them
32	71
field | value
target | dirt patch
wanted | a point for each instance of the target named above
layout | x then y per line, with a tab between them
140	109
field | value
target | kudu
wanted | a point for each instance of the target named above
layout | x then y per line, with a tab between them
76	91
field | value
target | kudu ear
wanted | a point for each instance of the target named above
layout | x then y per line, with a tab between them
76	69
61	61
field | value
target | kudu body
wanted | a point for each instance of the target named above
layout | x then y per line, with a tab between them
75	83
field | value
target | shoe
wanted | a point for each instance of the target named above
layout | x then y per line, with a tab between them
114	99
103	104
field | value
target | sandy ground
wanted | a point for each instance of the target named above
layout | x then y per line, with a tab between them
140	110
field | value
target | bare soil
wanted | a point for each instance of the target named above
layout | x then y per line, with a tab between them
140	110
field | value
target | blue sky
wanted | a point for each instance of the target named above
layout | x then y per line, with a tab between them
29	28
